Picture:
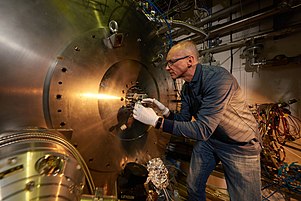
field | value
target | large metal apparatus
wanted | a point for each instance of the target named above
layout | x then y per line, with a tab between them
78	67
40	165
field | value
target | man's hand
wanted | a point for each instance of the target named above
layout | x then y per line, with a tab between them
145	115
160	106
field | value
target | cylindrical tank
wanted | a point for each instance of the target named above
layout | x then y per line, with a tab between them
77	67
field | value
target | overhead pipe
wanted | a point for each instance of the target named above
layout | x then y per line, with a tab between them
237	25
223	13
242	42
186	26
240	23
211	18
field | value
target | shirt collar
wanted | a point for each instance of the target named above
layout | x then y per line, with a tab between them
197	74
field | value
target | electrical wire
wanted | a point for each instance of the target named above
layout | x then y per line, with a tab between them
165	20
276	129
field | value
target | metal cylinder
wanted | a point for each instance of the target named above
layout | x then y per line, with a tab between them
56	57
38	164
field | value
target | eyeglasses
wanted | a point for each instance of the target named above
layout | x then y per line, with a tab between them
171	62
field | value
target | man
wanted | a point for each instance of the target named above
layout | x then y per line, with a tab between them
223	127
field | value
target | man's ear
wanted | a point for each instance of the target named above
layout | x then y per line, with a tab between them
190	61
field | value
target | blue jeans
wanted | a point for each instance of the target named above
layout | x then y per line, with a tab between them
241	169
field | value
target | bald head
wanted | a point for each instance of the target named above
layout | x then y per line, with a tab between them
181	60
184	48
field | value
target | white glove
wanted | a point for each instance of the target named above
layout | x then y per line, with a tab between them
160	106
145	115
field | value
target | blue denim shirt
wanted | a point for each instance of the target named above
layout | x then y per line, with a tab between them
212	104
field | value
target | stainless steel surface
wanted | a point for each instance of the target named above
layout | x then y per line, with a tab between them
39	165
57	56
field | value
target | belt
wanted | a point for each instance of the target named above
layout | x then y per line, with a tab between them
227	140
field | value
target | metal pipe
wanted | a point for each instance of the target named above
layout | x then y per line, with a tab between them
211	18
242	22
239	23
242	42
221	13
194	29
